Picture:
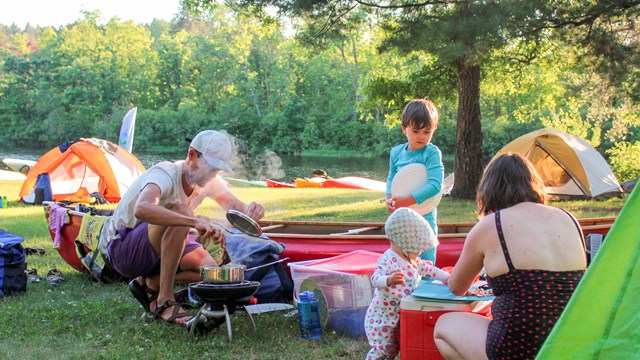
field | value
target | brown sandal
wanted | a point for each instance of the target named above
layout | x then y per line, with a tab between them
143	294
176	314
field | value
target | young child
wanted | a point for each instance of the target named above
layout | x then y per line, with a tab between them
397	274
419	122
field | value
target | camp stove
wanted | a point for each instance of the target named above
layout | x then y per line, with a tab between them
219	302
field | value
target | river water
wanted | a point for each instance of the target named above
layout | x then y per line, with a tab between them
273	166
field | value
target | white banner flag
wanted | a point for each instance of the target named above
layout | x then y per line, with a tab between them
127	129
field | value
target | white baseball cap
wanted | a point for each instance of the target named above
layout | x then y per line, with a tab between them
215	148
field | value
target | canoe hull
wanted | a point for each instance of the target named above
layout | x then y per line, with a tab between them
304	249
318	240
68	235
306	240
308	183
19	165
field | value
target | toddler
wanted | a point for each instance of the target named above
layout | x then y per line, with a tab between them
397	274
419	123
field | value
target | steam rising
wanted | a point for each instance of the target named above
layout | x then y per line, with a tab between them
266	164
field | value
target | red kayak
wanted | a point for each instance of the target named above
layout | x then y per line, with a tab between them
355	182
278	184
310	240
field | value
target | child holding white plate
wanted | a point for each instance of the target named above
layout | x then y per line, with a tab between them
419	122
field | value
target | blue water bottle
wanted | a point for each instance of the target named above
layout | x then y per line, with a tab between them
309	316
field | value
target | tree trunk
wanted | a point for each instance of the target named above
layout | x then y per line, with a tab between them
468	158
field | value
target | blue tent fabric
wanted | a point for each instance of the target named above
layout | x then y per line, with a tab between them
12	264
64	147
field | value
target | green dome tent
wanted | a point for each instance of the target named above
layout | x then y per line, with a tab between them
602	319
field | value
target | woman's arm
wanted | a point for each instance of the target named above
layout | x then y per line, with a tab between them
471	260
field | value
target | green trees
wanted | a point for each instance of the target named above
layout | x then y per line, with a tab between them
494	70
462	36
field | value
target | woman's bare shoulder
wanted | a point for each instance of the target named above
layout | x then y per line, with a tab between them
486	222
482	228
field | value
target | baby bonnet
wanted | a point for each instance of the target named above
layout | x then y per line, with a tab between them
410	231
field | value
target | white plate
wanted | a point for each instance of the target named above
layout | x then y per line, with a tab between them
409	179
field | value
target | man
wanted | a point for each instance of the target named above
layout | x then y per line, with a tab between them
147	240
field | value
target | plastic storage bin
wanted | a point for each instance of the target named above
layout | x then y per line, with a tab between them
418	317
343	283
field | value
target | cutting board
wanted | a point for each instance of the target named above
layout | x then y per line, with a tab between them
438	291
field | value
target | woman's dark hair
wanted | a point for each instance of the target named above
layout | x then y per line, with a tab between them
509	179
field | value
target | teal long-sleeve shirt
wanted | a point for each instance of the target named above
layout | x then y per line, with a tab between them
431	157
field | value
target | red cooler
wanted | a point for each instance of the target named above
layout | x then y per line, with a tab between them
417	320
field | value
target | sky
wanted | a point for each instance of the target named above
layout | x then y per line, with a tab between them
62	12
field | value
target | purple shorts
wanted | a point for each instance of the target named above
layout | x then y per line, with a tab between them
131	253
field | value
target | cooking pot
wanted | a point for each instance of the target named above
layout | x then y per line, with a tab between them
230	273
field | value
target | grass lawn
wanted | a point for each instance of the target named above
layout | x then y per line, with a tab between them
82	319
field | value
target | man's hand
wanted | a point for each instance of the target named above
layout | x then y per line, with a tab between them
210	232
255	211
397	278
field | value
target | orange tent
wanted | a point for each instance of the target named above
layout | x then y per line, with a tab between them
83	167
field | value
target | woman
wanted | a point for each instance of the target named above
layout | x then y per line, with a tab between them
534	257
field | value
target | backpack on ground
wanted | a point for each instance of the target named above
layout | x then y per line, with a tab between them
275	284
13	278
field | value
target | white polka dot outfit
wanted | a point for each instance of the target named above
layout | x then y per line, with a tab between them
412	233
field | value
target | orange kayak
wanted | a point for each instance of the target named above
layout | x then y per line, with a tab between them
278	184
309	183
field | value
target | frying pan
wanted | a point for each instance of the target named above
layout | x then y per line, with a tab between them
244	223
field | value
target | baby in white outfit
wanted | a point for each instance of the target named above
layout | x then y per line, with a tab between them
397	274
